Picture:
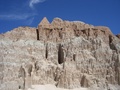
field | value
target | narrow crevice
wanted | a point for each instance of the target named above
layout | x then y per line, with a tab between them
60	35
46	52
60	54
22	74
84	82
110	39
74	57
111	44
30	69
37	66
37	32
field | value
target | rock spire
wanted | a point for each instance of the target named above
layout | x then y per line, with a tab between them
44	21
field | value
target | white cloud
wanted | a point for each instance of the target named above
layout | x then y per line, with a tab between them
32	2
15	16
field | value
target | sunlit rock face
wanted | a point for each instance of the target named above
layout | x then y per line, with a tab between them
67	54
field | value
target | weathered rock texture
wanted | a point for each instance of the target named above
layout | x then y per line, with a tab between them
67	54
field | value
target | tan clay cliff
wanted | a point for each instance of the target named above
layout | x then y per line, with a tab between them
66	54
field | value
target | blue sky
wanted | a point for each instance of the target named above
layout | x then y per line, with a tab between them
15	13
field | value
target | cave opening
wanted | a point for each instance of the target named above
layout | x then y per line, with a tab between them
37	32
60	54
83	31
19	87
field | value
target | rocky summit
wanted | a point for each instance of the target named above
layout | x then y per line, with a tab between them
67	54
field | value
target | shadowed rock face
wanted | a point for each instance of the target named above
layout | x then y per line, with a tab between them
67	54
118	36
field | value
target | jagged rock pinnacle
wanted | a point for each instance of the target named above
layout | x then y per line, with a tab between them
44	21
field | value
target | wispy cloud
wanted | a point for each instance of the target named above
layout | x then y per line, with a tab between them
29	21
24	15
32	2
15	16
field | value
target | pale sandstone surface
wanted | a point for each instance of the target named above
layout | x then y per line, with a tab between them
67	54
51	87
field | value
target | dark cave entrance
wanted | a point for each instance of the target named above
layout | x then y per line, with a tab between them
19	87
60	54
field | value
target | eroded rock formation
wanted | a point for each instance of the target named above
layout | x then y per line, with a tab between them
66	54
